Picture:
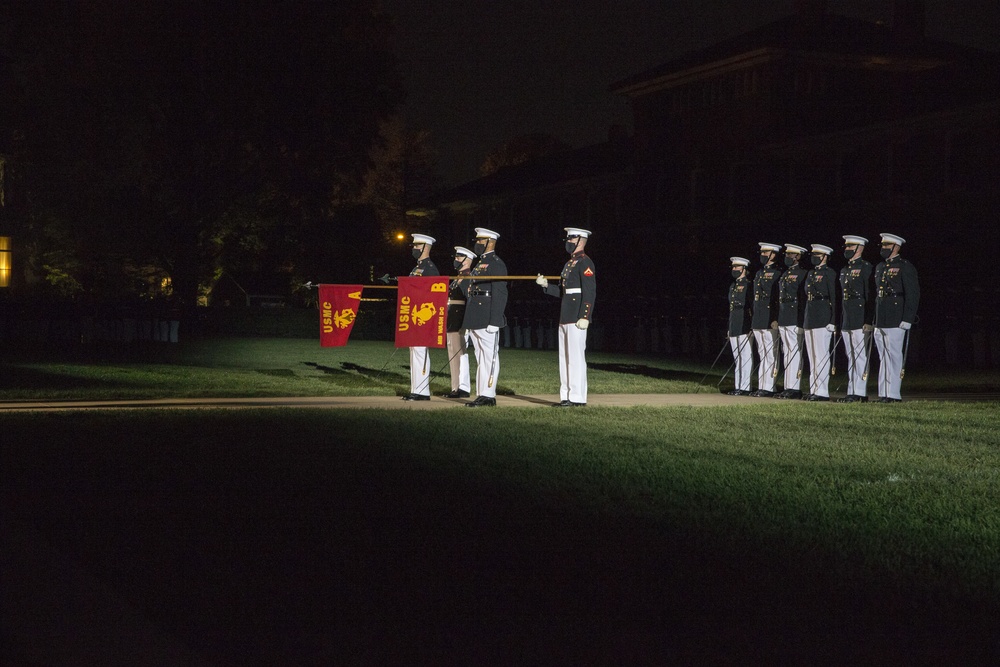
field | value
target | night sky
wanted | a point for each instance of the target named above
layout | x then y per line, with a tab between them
478	74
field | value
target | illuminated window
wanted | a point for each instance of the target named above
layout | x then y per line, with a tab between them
5	261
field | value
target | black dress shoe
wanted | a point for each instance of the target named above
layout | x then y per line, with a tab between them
416	397
482	402
817	398
792	393
738	392
806	397
562	404
886	399
850	398
457	393
763	393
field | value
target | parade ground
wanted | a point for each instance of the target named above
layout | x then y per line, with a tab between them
207	506
705	399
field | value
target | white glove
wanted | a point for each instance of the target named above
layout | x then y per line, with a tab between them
492	329
774	325
798	331
582	323
904	326
867	328
831	328
542	280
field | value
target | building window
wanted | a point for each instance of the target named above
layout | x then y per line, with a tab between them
972	162
865	173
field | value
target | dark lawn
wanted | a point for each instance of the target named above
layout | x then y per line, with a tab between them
271	545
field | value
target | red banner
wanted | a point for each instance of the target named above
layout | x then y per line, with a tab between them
338	308
422	311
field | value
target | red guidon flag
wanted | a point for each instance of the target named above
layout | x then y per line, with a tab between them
422	311
338	308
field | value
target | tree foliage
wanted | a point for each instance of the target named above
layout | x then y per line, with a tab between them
184	138
521	149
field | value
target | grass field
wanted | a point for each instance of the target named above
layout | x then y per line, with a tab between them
767	532
299	367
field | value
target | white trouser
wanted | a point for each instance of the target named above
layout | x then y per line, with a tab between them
791	348
767	353
572	363
420	371
487	362
818	347
856	342
890	353
742	360
458	360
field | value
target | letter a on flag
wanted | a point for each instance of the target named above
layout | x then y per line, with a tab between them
421	311
338	308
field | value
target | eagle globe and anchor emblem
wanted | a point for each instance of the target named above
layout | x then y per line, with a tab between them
344	318
423	314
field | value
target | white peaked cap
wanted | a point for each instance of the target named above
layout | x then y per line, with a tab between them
739	261
459	250
770	246
825	249
423	238
851	239
791	247
483	233
892	238
576	231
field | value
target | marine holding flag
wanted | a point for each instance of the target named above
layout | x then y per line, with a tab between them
338	308
420	376
578	289
484	316
458	352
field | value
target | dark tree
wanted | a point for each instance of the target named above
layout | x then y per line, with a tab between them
172	140
521	149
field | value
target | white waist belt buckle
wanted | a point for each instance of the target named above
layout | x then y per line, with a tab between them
573	290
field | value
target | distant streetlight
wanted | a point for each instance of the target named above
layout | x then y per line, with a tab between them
400	236
6	261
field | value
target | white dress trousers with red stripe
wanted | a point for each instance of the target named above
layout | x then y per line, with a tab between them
572	363
767	353
889	342
420	371
818	347
458	359
791	349
742	347
856	342
487	361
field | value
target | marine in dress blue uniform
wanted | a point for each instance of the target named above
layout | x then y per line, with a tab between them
485	316
791	312
457	337
821	297
857	311
740	317
895	311
577	289
765	318
420	375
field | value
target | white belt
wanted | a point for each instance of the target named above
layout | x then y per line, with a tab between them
455	302
573	290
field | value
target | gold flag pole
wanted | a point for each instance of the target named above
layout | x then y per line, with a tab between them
486	278
479	278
